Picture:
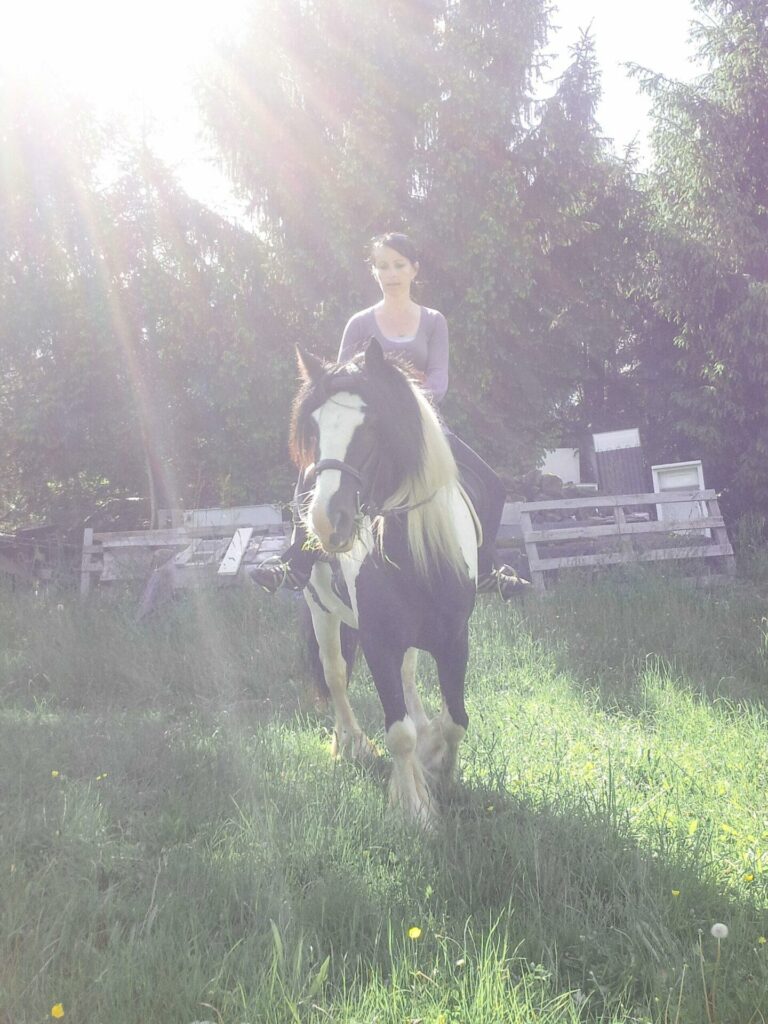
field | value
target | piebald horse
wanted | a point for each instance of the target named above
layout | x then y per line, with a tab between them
387	505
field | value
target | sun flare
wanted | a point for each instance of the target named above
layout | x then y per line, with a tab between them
110	53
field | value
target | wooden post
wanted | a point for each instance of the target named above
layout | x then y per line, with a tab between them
86	562
625	540
531	550
721	536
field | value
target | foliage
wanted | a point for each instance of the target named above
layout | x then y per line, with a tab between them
146	344
708	273
61	405
140	351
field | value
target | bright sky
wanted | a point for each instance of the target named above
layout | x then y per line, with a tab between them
653	33
140	59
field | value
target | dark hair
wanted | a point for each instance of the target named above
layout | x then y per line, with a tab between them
394	240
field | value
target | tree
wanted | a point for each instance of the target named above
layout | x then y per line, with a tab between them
59	403
708	271
140	350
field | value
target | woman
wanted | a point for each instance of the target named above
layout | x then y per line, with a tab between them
420	336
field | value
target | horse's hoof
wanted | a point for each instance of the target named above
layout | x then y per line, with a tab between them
355	748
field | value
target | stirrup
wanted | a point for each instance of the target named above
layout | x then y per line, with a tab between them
273	574
503	581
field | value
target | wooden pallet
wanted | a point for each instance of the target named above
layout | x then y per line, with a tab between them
197	554
623	528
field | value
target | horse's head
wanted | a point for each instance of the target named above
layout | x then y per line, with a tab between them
360	424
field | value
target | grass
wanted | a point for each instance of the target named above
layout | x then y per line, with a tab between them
178	846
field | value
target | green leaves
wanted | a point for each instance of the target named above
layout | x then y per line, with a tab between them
710	232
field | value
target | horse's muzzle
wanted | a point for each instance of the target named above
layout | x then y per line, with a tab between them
335	528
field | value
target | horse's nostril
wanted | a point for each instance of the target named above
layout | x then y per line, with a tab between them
342	522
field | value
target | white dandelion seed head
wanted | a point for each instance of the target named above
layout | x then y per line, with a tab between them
719	931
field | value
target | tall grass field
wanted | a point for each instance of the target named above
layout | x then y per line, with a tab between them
178	846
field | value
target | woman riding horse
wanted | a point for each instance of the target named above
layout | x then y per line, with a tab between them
420	336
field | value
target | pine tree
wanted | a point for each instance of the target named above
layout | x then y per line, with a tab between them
709	270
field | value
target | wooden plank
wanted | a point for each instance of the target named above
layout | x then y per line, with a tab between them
230	564
615	558
235	517
162	538
615	500
262	548
532	552
621	526
86	562
553	533
721	536
185	557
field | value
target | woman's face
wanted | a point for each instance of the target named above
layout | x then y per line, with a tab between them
394	272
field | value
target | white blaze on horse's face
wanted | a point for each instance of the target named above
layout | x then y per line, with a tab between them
331	514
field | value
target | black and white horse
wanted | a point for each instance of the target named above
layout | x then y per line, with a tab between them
387	505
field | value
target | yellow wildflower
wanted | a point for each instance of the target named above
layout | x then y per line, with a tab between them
55	775
57	1010
414	932
675	892
762	940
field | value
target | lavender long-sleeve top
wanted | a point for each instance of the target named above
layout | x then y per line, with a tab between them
426	351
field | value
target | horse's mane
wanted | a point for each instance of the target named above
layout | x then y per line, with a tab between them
416	470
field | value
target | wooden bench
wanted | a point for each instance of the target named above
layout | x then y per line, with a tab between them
624	528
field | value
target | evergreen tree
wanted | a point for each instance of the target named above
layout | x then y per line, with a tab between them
140	351
61	407
709	269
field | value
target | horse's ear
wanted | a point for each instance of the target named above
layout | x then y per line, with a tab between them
310	367
374	355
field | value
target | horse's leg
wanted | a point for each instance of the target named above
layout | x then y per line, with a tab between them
408	787
447	730
348	737
410	692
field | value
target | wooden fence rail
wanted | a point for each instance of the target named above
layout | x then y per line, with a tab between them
558	534
623	528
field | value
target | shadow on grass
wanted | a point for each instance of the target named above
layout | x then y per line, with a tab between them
604	915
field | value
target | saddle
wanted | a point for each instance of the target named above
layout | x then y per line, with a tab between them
474	493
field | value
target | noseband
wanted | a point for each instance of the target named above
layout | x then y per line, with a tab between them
343	467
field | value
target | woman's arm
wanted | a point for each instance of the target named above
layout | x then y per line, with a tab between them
351	340
436	372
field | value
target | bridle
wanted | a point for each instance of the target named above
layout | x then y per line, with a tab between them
343	467
364	509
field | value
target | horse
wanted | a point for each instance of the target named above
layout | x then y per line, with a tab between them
400	565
